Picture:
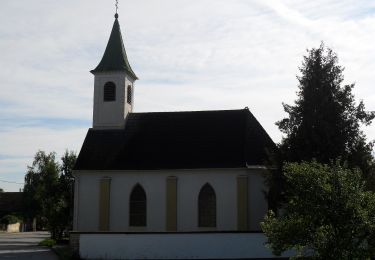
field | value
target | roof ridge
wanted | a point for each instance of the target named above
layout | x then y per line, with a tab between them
188	111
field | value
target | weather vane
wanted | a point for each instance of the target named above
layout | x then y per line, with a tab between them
116	15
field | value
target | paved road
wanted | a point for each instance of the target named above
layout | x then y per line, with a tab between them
24	246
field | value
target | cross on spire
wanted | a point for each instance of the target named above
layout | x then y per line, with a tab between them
116	5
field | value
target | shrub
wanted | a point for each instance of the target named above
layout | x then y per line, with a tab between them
48	242
10	219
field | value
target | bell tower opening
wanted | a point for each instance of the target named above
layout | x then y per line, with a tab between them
109	92
129	95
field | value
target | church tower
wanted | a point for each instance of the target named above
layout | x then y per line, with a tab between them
113	84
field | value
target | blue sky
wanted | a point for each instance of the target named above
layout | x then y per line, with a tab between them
189	55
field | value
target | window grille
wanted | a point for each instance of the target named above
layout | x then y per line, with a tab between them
138	207
207	207
129	95
109	91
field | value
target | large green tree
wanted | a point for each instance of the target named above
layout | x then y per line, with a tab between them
328	213
67	186
48	191
324	122
41	181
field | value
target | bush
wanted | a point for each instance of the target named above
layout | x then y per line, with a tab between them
328	213
10	219
48	242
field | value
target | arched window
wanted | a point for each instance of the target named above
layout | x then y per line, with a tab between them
129	94
109	91
207	207
137	207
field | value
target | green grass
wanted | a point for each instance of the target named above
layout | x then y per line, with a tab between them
61	248
47	242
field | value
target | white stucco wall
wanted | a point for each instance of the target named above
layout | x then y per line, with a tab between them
175	246
189	183
111	114
258	205
87	212
121	187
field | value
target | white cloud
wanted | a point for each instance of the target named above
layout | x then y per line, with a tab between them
189	55
26	141
19	145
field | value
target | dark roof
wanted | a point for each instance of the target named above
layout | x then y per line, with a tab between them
11	202
178	140
114	58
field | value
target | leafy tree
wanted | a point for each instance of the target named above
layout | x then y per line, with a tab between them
324	122
48	191
40	182
10	219
67	186
1	190
328	213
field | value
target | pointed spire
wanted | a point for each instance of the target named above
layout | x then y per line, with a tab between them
114	58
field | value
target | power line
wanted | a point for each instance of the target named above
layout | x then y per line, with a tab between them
13	182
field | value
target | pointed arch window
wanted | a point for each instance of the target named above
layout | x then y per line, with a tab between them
138	207
129	95
207	207
109	92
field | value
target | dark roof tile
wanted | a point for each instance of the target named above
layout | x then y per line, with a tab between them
115	58
178	140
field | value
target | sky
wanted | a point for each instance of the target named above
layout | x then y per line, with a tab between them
188	55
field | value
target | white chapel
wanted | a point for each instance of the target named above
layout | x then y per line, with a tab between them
167	185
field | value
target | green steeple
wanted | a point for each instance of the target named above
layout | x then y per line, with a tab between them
114	58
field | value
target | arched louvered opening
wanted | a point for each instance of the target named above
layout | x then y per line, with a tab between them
138	207
109	92
207	207
129	94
